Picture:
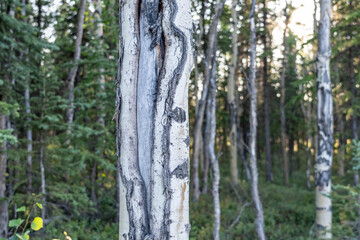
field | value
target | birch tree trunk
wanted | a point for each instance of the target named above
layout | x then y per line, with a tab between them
269	176
231	97
74	69
152	119
259	221
325	126
209	56
282	103
4	215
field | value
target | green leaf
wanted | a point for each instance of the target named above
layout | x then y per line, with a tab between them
37	224
21	209
39	205
15	222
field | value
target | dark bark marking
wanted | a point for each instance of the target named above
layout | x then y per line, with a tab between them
181	171
187	141
178	115
322	178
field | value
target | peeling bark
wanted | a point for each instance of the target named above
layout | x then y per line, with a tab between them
325	126
259	221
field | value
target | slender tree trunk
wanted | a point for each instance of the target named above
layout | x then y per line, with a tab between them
4	215
269	176
282	103
28	136
100	111
42	171
203	165
231	97
74	69
209	56
325	126
353	99
259	221
210	148
155	57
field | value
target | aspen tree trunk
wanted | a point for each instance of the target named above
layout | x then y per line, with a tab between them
259	221
152	119
209	56
325	126
282	103
210	148
231	97
4	215
269	176
74	69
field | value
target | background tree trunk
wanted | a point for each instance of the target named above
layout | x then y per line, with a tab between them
4	215
74	69
325	126
231	97
282	102
259	221
269	175
209	56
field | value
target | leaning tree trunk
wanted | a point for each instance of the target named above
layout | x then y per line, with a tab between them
3	201
231	97
152	119
325	126
74	69
282	104
209	56
259	221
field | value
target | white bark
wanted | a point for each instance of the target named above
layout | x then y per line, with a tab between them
325	126
259	221
152	119
210	135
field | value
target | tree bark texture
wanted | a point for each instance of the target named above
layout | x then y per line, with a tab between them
259	221
152	119
325	126
209	56
231	97
74	69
